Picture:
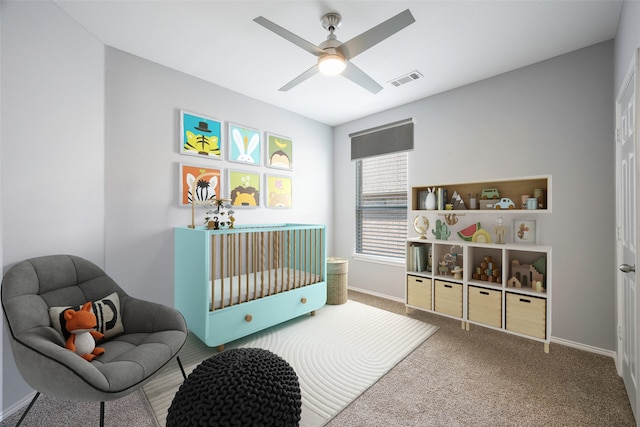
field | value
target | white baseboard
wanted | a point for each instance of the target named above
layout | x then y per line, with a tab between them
585	347
579	346
21	404
376	294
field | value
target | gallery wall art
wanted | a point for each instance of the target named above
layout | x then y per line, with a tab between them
205	188
244	188
279	151
278	191
244	145
200	135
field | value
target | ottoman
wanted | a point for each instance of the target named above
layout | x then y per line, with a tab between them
242	386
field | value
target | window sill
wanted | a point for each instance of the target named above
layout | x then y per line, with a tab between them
396	262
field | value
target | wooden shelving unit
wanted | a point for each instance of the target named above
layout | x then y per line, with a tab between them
511	188
515	295
521	306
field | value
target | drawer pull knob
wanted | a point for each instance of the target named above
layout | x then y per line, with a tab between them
484	292
303	300
525	300
448	286
248	318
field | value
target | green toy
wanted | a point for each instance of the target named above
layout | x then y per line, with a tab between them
441	231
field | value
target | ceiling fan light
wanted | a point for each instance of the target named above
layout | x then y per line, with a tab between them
331	64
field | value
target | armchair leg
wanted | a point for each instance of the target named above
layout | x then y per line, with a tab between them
101	414
24	414
181	368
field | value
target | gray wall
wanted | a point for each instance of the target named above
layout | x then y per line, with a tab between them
142	166
90	156
554	117
52	171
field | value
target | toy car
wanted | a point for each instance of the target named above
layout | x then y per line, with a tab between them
490	193
505	203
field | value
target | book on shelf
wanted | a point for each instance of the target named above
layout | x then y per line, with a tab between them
442	197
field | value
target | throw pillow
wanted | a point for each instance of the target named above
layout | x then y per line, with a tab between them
106	310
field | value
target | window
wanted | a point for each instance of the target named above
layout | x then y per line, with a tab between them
381	205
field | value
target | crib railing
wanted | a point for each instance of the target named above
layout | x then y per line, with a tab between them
262	261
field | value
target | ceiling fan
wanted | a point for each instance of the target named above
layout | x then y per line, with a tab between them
334	57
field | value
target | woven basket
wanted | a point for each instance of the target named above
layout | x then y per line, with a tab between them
337	269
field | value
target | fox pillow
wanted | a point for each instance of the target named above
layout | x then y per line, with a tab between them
106	310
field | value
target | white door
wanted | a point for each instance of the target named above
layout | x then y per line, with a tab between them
626	203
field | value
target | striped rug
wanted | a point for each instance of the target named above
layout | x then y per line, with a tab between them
337	354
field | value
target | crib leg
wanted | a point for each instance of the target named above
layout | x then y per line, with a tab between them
220	348
313	313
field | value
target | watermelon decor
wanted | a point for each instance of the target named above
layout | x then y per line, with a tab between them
467	233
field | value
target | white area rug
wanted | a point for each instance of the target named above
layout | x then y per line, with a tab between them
337	354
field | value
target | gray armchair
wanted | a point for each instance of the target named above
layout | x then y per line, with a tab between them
153	333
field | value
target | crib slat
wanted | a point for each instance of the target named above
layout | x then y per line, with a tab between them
276	259
229	258
269	256
306	247
262	251
254	261
213	272
222	272
246	257
288	258
236	265
314	264
283	260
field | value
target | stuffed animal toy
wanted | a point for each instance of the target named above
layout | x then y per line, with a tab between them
82	324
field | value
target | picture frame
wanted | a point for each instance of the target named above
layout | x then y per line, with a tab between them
278	191
211	186
422	200
525	231
244	144
243	188
200	135
279	151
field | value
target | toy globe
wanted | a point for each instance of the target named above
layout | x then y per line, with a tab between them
421	225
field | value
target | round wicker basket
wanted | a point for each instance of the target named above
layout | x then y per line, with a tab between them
337	269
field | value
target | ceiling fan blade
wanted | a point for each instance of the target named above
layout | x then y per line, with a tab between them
302	77
286	34
361	78
375	35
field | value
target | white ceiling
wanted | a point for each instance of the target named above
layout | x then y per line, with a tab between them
452	43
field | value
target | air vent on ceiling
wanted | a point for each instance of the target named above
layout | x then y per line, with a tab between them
414	75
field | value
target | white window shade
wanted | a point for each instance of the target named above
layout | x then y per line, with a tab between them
381	205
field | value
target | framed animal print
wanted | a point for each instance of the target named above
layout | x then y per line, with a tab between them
279	152
202	181
244	145
244	189
200	135
278	191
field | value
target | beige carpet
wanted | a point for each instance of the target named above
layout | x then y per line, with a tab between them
338	354
484	377
464	378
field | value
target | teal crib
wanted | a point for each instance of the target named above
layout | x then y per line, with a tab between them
231	283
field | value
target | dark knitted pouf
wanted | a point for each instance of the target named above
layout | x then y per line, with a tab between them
242	387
